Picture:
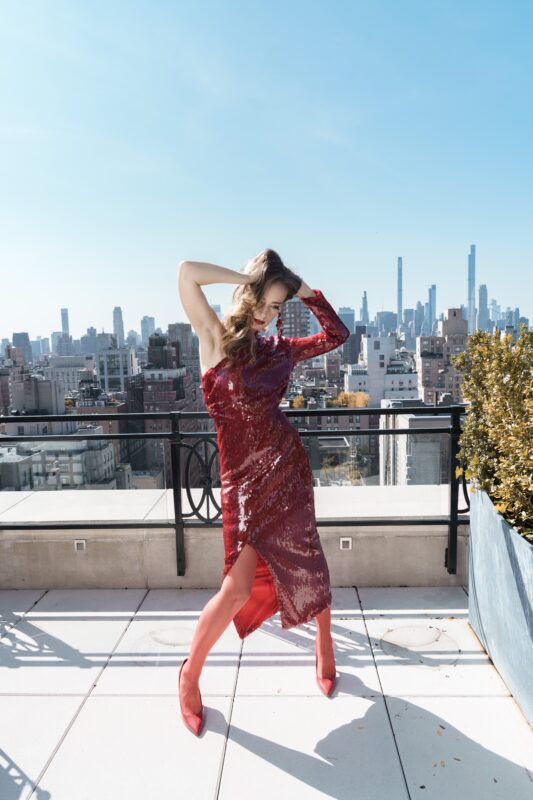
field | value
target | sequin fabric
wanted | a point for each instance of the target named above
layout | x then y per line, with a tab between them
266	481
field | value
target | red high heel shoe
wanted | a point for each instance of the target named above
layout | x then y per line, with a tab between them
193	722
326	685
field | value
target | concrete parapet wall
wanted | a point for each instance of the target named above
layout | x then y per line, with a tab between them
410	555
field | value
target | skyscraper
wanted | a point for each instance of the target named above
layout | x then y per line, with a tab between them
483	316
296	318
364	310
419	318
400	291
147	328
432	302
118	326
347	315
22	341
472	289
426	326
64	320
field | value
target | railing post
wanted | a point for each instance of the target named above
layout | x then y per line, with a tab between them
450	560
175	460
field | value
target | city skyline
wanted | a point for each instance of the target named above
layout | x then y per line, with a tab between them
132	141
471	297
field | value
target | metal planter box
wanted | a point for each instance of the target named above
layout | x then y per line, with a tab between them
500	597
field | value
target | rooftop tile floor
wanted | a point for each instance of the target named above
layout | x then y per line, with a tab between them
89	707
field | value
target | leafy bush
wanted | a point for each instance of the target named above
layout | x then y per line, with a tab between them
496	443
350	400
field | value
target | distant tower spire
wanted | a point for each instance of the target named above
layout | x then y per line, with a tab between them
432	306
400	292
472	289
364	310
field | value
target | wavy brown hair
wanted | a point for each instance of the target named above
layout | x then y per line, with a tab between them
238	340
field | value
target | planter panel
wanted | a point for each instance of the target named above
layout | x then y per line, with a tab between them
500	597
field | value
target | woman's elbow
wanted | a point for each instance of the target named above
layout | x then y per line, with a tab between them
345	333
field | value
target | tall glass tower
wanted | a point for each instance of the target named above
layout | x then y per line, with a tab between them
399	308
64	320
432	304
472	289
483	315
364	310
118	326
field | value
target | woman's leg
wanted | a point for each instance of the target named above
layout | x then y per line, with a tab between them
214	619
324	644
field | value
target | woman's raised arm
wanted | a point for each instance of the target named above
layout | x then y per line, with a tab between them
334	332
191	276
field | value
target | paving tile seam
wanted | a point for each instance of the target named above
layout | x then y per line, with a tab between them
396	747
343	695
340	695
43	694
163	494
230	714
68	727
385	705
26	613
452	614
11	507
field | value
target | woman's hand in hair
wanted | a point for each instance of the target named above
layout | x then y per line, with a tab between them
304	290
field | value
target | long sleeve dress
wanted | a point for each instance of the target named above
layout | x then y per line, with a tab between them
266	481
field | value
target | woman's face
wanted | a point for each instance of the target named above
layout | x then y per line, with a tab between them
269	305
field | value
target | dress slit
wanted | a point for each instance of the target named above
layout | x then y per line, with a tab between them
263	601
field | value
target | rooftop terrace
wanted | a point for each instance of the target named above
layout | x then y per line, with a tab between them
89	702
89	659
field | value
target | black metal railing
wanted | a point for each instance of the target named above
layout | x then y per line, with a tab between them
180	440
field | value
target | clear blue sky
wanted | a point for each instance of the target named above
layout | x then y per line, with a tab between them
342	134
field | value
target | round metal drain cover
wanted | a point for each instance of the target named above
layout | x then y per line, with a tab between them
159	641
421	644
172	637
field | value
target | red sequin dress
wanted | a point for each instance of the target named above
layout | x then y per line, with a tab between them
266	481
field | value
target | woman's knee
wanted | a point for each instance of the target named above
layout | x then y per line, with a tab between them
237	585
235	594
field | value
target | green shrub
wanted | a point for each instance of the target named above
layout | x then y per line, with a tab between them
496	443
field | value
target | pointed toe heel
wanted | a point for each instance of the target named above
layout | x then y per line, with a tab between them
326	685
194	722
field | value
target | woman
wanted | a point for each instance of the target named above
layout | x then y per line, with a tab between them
273	556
